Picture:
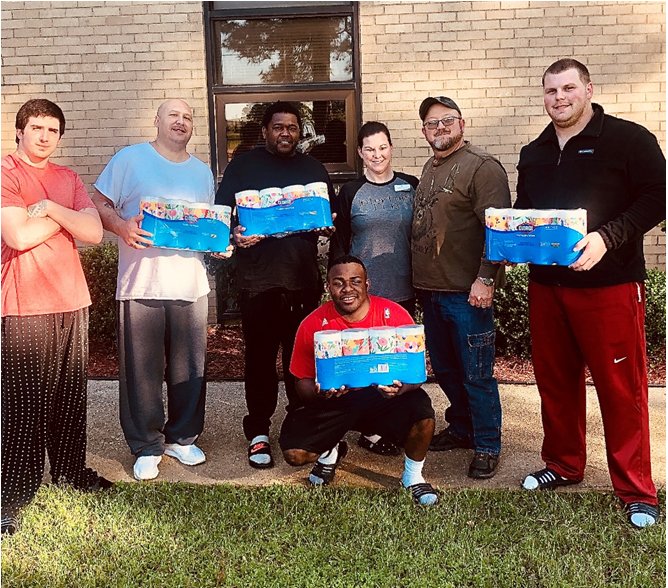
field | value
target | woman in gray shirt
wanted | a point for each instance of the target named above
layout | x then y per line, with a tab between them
374	223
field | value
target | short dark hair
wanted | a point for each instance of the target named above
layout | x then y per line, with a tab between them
372	128
343	259
282	107
39	107
567	63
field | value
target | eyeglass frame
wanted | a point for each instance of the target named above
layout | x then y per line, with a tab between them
426	124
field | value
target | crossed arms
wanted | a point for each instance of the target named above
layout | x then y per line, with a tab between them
23	229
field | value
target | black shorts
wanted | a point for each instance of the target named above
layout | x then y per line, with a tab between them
321	425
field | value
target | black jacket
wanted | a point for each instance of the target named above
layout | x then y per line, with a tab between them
615	170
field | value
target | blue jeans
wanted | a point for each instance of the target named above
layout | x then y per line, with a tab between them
460	341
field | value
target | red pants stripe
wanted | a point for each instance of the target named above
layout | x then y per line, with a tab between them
603	328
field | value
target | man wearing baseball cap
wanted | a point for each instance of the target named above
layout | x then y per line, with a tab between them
455	284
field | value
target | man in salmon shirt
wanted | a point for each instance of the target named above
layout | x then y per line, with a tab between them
45	300
400	412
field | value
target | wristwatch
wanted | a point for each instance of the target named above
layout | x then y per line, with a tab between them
486	281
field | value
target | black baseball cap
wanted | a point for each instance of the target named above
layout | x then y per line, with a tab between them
427	103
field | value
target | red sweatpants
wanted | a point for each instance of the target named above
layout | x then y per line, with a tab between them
603	328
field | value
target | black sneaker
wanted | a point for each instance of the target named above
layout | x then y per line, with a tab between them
445	441
483	465
381	447
87	481
99	485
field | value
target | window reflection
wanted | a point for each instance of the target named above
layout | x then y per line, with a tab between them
284	50
324	121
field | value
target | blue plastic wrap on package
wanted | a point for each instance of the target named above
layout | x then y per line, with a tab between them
302	214
359	371
191	233
538	236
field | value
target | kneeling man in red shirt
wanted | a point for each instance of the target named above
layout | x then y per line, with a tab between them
402	412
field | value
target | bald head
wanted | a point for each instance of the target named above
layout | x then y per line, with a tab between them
174	121
173	103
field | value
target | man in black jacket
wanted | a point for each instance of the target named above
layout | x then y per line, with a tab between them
592	312
279	278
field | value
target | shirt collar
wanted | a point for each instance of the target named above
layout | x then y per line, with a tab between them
594	127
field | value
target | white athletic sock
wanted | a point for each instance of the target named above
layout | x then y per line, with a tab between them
329	457
413	475
261	458
412	472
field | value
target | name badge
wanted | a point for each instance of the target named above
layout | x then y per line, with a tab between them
402	187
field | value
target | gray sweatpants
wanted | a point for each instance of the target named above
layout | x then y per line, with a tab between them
161	339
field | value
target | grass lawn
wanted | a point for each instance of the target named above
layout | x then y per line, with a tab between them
180	535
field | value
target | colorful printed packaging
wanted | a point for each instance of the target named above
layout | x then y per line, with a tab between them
281	211
410	339
358	358
193	226
327	344
541	237
382	340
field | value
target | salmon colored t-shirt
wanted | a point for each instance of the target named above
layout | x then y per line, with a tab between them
48	278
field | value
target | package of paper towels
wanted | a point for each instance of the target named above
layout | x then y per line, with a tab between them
357	358
542	237
280	211
178	224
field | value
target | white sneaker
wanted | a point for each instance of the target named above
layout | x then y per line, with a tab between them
186	454
146	467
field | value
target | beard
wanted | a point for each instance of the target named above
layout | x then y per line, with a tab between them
445	142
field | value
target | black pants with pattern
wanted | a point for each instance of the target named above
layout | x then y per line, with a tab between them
44	364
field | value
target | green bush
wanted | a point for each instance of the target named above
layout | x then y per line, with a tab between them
511	308
511	313
655	316
100	265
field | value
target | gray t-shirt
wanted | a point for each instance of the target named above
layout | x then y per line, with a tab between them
380	232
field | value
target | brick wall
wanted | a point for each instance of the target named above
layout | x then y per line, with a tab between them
110	64
490	57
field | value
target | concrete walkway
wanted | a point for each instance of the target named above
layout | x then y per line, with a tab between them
225	445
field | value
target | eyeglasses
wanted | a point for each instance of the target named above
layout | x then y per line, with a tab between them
434	122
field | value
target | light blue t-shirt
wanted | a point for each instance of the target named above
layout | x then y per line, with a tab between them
137	172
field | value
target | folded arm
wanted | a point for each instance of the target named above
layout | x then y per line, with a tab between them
22	232
84	224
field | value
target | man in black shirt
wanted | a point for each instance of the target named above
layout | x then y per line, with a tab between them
279	278
592	312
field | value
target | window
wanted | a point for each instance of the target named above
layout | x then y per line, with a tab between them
301	52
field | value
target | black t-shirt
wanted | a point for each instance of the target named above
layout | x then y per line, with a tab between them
288	262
